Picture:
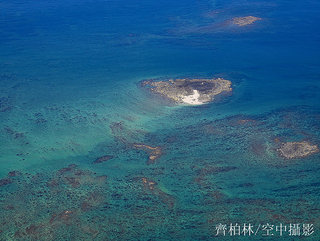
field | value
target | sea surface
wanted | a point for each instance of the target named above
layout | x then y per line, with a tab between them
70	93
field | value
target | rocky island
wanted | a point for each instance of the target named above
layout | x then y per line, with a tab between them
290	150
243	21
189	91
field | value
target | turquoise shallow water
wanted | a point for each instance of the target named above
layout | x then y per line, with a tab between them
70	93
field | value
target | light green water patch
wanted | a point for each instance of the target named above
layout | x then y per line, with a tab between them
37	129
209	174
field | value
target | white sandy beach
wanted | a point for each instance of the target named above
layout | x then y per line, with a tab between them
192	99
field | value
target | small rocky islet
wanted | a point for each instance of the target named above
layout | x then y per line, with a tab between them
292	150
187	91
244	21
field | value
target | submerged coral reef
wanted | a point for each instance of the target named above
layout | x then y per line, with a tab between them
154	152
192	189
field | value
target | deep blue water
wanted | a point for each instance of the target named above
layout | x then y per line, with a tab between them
70	93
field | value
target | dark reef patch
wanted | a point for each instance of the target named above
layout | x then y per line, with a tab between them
52	205
103	159
5	181
5	104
